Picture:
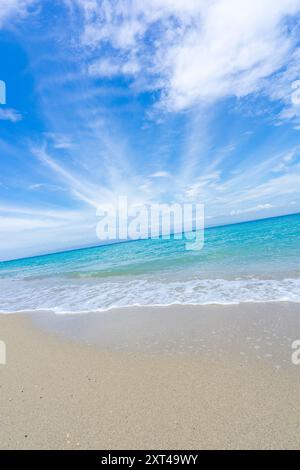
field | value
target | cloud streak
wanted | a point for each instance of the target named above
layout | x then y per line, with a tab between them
14	9
9	114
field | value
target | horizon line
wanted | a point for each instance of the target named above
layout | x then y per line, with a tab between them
117	242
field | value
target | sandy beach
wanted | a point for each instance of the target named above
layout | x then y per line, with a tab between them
160	378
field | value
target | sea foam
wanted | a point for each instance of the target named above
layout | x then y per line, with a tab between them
87	297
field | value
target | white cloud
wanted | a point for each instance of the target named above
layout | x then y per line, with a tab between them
60	141
201	185
193	51
81	189
285	86
11	224
9	114
26	231
35	186
160	174
14	8
258	208
286	162
9	209
109	68
45	186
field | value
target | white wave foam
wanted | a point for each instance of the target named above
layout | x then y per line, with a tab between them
79	297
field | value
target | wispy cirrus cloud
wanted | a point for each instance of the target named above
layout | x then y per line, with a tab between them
258	208
10	114
160	174
109	68
25	231
83	190
45	186
60	141
12	9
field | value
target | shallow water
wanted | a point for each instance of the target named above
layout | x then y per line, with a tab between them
248	262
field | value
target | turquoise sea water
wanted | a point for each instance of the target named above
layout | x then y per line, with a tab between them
253	261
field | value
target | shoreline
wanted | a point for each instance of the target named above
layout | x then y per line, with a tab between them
114	308
170	323
173	378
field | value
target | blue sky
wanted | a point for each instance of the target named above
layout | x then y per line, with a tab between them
161	101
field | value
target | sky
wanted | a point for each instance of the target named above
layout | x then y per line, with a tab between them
160	101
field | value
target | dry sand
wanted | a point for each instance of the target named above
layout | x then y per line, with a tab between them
217	377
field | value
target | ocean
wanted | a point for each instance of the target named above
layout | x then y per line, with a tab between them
255	261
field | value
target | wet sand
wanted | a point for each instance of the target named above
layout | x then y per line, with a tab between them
160	378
